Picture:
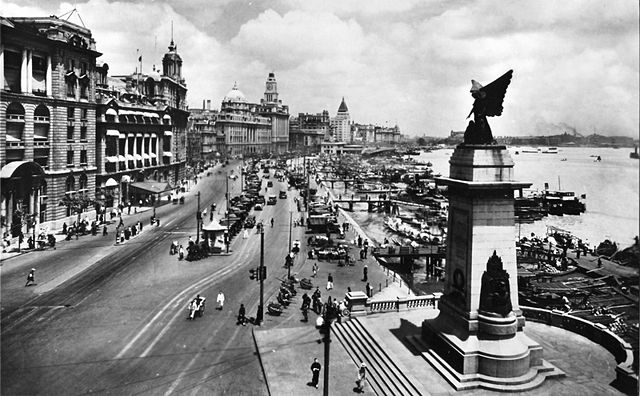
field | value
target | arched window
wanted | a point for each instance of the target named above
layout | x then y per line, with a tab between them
150	88
82	187
41	113
15	124
70	184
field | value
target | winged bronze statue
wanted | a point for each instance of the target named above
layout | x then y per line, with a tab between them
488	103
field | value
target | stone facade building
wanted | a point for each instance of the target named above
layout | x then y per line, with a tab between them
341	124
272	108
47	120
241	127
141	132
310	131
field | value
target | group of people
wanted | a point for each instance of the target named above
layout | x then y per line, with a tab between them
125	233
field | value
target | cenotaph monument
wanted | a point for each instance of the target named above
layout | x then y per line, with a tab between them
477	340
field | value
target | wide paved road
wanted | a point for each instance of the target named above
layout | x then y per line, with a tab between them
119	326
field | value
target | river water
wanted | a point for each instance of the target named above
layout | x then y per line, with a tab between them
611	187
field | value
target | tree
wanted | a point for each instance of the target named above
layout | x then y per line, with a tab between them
421	141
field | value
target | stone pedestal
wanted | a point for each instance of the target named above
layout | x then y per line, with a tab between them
356	302
477	339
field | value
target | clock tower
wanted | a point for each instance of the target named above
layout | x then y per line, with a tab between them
271	91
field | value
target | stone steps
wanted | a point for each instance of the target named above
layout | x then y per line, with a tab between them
530	380
385	376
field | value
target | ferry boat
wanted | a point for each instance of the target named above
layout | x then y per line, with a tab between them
540	150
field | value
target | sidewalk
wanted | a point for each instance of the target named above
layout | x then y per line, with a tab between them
60	237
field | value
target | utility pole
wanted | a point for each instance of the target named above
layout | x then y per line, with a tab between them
289	260
198	214
327	342
261	272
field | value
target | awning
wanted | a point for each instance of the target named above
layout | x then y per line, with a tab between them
112	112
145	156
166	117
147	135
137	156
111	182
125	179
123	136
214	226
153	155
112	159
167	154
38	137
152	186
113	132
21	168
129	157
12	139
138	134
121	158
168	133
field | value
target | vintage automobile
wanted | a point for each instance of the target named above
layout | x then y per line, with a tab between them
283	195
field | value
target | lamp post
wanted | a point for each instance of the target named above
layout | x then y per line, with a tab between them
327	343
198	215
227	195
289	260
261	271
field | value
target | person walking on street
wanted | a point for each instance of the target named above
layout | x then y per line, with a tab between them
362	375
329	282
272	222
315	372
31	280
369	290
315	269
220	301
365	270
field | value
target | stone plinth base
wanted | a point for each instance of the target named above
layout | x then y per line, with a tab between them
356	302
512	364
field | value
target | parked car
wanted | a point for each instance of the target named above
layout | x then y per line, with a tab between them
269	183
272	200
283	195
258	206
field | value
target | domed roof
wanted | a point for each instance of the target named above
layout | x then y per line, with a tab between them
235	95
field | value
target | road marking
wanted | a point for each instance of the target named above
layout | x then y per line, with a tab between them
167	306
166	327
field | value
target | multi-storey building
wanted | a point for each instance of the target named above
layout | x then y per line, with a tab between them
363	133
387	135
245	131
140	119
47	120
202	135
341	124
272	108
310	131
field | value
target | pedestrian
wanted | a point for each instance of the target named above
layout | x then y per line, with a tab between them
180	253
272	222
362	375
359	241
315	372
242	319
104	230
369	290
365	269
31	280
245	234
329	282
220	301
315	269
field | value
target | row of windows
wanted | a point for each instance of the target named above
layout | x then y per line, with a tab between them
70	158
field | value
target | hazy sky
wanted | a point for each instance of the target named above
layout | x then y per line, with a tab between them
408	62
